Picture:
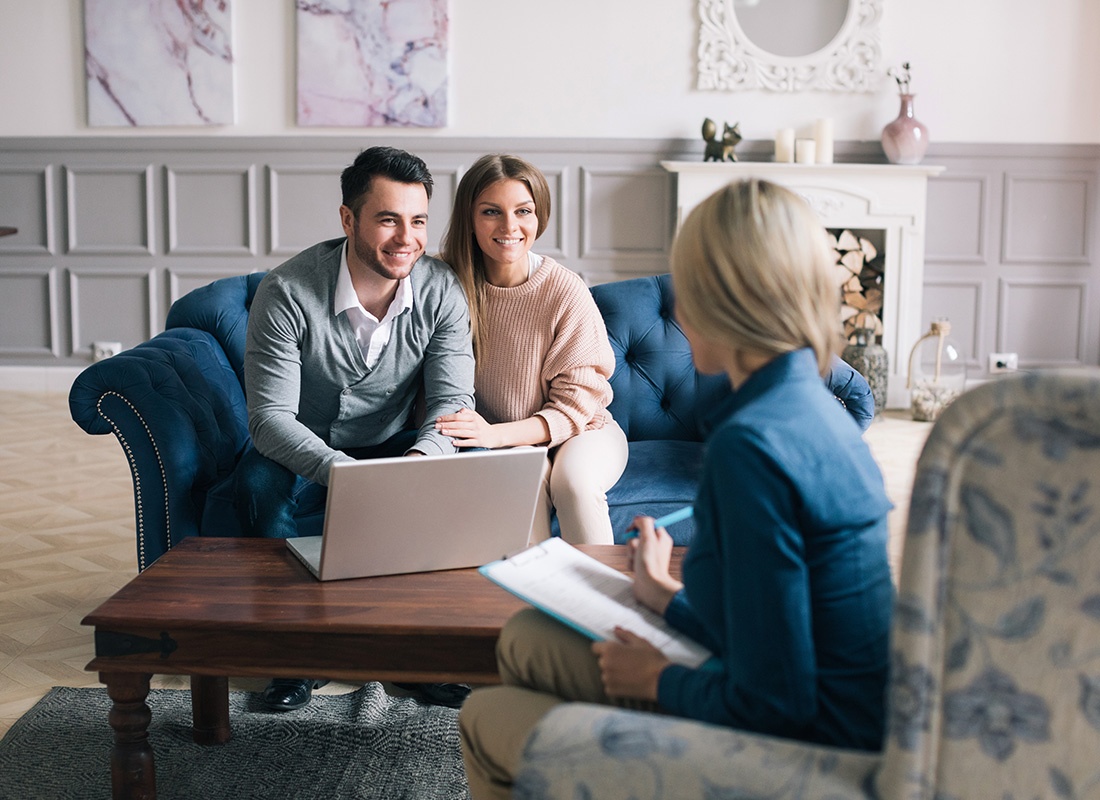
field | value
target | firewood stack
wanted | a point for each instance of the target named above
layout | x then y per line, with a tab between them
859	276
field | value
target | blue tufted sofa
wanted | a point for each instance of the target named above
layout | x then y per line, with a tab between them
177	405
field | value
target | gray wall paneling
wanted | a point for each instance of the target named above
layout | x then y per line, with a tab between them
211	210
112	230
27	203
1011	235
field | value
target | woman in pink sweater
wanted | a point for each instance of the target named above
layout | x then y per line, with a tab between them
542	354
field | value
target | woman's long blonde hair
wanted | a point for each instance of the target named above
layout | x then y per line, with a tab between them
750	269
459	247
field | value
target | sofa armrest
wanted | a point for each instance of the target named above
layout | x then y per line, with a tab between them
178	410
582	750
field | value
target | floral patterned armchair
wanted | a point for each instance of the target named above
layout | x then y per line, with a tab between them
995	683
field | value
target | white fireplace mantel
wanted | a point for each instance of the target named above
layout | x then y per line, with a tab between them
886	197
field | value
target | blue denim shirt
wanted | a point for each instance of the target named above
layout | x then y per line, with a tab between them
787	579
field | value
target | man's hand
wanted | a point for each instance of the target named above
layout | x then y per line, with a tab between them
469	429
654	585
629	667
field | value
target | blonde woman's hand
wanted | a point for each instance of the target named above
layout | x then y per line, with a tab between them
468	429
629	666
654	585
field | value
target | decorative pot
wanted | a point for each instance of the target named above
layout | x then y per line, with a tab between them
905	140
869	359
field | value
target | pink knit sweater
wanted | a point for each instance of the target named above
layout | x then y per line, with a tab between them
547	353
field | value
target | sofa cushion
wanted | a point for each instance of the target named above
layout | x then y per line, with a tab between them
661	476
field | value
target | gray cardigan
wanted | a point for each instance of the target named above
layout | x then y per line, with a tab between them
310	394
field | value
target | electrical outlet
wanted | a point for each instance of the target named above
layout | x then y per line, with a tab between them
102	350
1003	362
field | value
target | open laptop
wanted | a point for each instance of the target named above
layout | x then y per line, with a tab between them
387	516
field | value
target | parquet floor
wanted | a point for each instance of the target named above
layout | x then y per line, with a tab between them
67	539
65	519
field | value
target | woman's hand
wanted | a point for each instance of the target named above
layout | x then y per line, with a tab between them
468	429
629	667
654	585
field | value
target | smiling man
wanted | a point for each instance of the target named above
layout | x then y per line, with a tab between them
342	339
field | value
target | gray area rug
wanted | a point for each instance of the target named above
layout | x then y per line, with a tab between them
366	744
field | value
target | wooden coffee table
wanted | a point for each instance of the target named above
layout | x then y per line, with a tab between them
216	608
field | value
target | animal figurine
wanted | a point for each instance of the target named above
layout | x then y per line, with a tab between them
720	150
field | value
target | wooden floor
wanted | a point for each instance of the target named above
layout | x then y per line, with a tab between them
67	539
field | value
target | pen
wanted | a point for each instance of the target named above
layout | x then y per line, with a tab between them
666	520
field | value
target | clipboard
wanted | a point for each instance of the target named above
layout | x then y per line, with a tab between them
589	597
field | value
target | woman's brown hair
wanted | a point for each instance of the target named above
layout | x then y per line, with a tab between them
459	247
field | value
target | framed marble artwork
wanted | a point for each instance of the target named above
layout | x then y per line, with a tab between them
369	63
159	62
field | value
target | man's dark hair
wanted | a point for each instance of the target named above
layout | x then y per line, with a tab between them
387	162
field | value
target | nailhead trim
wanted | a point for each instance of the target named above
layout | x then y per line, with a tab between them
137	477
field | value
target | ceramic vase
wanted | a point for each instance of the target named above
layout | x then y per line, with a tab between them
905	140
870	360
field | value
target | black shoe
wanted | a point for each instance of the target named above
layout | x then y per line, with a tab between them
288	694
451	695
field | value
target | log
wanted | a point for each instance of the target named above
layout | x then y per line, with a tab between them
870	280
871	321
843	275
847	241
855	300
853	260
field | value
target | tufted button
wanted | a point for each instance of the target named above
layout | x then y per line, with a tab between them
666	404
346	392
628	356
665	312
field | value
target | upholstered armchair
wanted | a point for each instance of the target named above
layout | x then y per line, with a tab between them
995	682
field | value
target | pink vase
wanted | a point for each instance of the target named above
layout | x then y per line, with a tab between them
905	140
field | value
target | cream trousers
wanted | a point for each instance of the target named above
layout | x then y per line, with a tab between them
542	663
581	472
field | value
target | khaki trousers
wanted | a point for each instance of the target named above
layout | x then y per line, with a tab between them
582	470
542	663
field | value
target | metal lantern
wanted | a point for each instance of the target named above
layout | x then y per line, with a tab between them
937	372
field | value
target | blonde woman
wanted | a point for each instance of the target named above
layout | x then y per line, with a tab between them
786	580
542	355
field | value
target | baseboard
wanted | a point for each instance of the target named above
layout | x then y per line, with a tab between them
38	379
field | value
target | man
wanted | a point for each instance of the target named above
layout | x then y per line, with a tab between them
341	340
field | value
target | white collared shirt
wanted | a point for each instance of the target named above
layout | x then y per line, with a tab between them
371	333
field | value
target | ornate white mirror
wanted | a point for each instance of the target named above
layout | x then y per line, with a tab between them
789	45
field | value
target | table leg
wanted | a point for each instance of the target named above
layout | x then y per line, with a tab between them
210	710
133	775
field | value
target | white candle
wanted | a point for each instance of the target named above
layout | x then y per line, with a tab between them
804	151
823	138
784	145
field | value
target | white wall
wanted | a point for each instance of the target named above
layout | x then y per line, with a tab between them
1012	71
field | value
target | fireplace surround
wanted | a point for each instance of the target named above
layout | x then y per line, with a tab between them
890	198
